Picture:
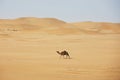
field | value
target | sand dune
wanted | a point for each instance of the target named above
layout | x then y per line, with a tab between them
55	26
28	50
99	27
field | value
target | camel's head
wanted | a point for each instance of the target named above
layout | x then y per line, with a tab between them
58	52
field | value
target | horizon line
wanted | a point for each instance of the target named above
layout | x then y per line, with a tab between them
57	19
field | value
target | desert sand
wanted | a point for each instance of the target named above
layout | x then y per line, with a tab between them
28	50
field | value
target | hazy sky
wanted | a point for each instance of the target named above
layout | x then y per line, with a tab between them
67	10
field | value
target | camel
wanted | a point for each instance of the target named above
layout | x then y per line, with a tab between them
64	53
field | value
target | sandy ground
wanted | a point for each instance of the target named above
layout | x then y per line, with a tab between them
34	57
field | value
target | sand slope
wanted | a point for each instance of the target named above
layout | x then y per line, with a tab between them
28	51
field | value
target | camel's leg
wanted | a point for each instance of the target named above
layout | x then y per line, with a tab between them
63	56
68	56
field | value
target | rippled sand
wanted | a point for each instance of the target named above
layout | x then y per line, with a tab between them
93	57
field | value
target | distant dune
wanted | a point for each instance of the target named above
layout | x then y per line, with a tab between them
98	27
55	26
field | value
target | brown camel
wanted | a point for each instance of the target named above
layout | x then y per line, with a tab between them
64	53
